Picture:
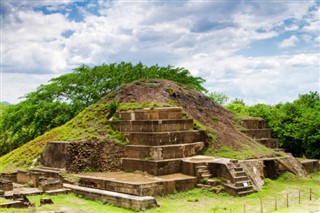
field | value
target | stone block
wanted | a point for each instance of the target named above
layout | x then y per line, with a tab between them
258	133
9	176
165	138
47	184
253	123
158	167
164	152
311	165
153	125
6	185
269	142
161	113
55	154
31	178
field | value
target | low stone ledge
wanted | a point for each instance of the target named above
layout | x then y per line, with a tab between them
135	203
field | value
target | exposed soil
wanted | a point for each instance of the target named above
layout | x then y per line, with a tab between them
196	104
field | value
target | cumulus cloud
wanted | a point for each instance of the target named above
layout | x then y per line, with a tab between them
290	42
204	37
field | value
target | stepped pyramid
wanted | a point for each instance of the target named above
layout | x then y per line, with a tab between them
158	139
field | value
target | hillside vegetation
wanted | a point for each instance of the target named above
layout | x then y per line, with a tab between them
91	124
295	124
64	97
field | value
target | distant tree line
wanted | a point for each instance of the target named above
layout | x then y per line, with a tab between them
296	124
54	104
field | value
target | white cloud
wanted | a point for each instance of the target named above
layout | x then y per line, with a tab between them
259	78
204	37
290	42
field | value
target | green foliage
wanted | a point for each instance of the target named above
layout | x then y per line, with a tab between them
239	108
218	97
23	122
296	124
64	97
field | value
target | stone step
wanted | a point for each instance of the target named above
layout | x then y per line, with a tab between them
238	169
203	186
206	175
234	190
258	133
279	150
48	172
234	161
164	152
212	182
246	192
158	113
202	167
203	171
153	167
269	142
243	183
153	126
58	191
253	123
165	138
241	178
240	173
136	203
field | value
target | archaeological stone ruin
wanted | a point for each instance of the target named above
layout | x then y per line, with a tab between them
164	154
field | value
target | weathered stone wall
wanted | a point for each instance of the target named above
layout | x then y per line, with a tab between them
253	123
31	178
311	165
55	154
94	156
9	176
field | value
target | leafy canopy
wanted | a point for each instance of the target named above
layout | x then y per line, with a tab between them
64	97
296	124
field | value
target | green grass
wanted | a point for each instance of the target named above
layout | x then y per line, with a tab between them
90	124
198	200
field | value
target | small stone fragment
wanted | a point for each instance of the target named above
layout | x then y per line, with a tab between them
45	201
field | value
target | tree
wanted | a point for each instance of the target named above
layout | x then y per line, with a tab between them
218	97
295	124
64	97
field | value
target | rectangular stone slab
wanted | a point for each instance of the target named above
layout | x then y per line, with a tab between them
165	138
136	203
151	114
165	151
153	125
153	167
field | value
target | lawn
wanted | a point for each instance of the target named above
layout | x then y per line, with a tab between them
274	195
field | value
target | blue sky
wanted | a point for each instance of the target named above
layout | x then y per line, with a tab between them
258	51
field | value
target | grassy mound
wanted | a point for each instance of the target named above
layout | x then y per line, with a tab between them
92	123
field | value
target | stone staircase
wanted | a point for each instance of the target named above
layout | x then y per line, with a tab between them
240	184
256	128
203	172
158	139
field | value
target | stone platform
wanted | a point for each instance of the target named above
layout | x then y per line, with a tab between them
139	184
136	203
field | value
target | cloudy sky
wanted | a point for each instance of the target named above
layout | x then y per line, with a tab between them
261	51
